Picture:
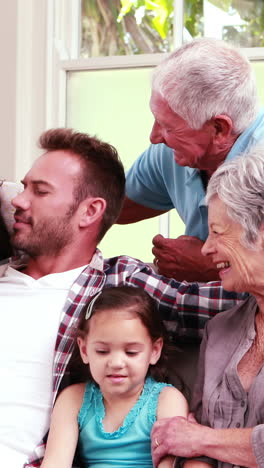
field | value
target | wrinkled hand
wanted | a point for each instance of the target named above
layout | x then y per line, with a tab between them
182	259
176	436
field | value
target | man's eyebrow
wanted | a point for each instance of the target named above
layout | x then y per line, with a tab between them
38	182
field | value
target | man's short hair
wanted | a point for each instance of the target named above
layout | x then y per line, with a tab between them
207	77
102	171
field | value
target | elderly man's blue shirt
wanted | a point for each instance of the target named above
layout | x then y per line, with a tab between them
157	181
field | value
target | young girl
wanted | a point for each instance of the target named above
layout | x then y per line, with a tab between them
122	339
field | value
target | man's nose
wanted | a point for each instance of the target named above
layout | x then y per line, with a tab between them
156	134
21	201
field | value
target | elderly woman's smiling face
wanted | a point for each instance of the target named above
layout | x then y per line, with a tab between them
239	267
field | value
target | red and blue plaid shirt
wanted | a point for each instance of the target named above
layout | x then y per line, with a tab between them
185	308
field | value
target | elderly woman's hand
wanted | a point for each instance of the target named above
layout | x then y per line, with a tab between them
176	436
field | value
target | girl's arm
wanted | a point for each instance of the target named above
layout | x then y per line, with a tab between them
196	464
64	431
171	403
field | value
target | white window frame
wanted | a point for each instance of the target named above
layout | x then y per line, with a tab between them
47	48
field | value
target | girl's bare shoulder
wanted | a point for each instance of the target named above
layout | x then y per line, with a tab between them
172	403
72	396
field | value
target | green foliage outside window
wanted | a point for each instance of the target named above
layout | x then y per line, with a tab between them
123	27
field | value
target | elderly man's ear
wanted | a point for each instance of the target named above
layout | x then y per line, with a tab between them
91	210
223	127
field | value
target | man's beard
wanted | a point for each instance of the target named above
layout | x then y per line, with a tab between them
48	237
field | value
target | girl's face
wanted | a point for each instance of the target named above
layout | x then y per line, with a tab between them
119	351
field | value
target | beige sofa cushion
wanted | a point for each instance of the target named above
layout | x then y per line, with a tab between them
8	190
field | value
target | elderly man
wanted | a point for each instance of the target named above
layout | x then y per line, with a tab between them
72	195
205	106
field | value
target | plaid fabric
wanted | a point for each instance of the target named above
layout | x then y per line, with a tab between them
185	308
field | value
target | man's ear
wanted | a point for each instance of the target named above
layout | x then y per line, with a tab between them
156	351
91	209
223	126
83	350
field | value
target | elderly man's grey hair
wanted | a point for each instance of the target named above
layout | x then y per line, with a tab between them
240	185
205	78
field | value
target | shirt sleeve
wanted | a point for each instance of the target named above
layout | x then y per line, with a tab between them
146	182
184	307
258	444
197	395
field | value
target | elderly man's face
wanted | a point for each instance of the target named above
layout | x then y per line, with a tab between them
239	267
193	148
44	216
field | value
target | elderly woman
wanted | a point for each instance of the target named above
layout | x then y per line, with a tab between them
228	398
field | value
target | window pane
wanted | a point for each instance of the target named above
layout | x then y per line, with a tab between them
124	27
114	105
193	19
238	21
258	68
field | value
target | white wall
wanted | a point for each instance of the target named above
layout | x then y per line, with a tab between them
22	84
8	37
30	81
32	94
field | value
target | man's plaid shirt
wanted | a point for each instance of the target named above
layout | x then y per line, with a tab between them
185	308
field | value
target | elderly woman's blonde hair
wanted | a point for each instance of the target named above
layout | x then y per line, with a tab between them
239	183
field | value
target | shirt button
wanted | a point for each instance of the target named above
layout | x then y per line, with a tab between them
237	425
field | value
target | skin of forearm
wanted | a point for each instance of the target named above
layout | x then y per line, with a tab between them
229	445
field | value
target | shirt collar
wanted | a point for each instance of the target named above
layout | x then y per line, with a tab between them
97	261
192	172
17	263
